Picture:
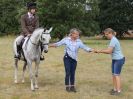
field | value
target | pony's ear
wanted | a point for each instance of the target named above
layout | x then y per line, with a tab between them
45	29
50	29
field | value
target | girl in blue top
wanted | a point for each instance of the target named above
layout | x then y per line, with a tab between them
72	43
118	59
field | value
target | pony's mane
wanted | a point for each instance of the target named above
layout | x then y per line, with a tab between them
38	29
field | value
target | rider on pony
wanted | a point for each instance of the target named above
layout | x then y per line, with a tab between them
29	22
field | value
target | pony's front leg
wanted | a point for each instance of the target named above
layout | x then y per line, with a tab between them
31	75
36	74
24	68
16	70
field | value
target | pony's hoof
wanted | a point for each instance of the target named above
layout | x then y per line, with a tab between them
33	90
36	87
23	81
15	81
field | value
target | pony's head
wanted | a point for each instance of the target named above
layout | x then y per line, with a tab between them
45	38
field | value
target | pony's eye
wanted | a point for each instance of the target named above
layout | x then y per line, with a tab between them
43	39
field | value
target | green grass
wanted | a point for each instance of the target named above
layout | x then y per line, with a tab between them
93	74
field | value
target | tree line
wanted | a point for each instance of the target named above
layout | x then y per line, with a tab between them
91	16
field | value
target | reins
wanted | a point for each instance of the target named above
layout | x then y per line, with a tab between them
39	40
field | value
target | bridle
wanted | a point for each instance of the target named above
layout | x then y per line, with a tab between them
40	40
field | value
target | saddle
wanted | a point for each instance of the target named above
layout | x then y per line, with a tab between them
20	52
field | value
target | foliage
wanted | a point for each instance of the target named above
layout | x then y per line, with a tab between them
66	14
61	14
8	12
116	14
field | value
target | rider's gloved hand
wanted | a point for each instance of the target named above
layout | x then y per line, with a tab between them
29	35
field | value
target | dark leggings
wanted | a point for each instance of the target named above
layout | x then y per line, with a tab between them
70	67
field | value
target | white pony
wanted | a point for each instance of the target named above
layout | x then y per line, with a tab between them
32	52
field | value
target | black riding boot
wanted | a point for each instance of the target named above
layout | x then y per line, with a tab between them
19	49
19	52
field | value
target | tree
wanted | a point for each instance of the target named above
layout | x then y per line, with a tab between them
116	14
61	14
8	12
66	14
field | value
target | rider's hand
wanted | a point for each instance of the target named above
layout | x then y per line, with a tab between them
29	35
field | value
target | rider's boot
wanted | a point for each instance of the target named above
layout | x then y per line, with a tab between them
18	56
19	49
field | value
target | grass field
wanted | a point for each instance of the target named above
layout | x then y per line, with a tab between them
93	74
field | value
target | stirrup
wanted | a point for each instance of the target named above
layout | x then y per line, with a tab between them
17	57
41	57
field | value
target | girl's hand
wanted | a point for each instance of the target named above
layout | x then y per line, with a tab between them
52	45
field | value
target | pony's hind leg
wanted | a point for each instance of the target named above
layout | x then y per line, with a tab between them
16	70
36	74
24	69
